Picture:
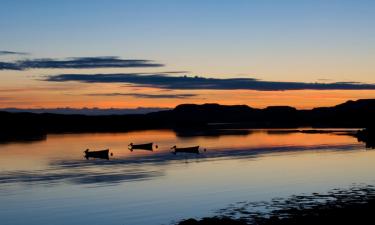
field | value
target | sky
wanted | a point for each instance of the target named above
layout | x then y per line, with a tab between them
138	53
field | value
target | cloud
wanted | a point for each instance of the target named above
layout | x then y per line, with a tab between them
200	83
86	111
12	53
78	63
183	96
175	72
9	66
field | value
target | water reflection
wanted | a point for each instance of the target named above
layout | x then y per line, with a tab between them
211	132
22	137
50	179
133	166
81	176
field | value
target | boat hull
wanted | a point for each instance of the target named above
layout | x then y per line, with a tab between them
194	150
102	154
148	146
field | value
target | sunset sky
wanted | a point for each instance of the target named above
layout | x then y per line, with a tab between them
138	53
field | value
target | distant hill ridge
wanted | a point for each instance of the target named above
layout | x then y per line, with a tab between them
356	114
358	104
351	114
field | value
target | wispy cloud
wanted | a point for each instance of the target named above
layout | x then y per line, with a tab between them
9	66
87	111
2	52
137	95
164	81
78	63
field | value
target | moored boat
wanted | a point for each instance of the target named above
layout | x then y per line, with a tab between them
194	149
101	154
147	146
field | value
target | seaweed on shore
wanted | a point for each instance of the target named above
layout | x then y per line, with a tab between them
355	205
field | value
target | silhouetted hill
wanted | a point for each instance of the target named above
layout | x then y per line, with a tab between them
349	114
207	116
213	113
362	104
233	116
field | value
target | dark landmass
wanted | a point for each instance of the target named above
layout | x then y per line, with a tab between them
368	136
351	206
204	118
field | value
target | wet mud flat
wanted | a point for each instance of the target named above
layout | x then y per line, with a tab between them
354	205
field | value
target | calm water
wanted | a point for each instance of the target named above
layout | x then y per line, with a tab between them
49	182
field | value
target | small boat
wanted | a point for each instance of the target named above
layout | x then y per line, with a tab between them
147	146
101	154
194	149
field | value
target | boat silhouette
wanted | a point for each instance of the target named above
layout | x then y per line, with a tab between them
147	146
100	154
194	149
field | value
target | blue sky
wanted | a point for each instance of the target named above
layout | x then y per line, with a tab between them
186	33
272	40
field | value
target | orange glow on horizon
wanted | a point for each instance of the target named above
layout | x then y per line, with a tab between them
80	97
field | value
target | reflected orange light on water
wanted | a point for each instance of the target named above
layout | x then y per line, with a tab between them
71	146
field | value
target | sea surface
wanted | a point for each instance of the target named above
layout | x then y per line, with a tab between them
50	182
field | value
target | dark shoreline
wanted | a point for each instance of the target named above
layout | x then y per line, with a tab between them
355	205
191	118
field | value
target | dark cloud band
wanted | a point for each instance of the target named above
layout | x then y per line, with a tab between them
9	66
78	63
181	96
13	53
193	83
